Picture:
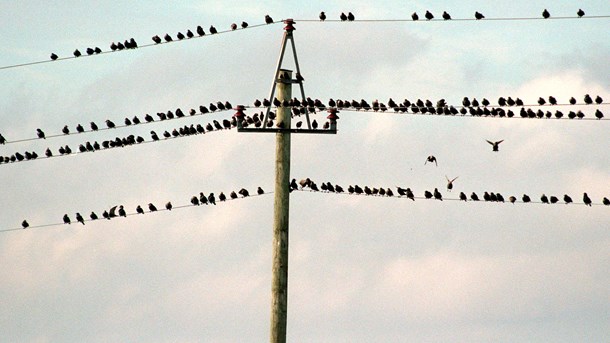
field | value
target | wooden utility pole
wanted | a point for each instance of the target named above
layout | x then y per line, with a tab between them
279	288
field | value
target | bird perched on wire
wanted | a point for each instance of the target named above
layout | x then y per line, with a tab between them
546	14
168	206
80	218
431	159
212	199
567	199
414	16
438	195
429	16
450	183
463	196
322	16
151	207
66	219
495	145
213	29
53	57
40	133
446	16
586	199
478	16
350	16
268	19
244	24
25	224
260	191
343	17
93	216
77	53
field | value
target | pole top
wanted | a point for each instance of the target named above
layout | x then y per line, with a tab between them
332	114
239	115
289	27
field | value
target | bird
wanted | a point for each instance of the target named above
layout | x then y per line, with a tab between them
244	24
478	16
438	195
526	198
512	199
314	124
588	99
553	199
233	27
446	16
414	16
429	16
546	14
572	101
180	36
599	114
80	128
428	195
156	39
544	199
450	183
606	201
200	31
244	192
580	13
410	194
65	130
80	218
305	183
598	100
293	185
567	199
222	196
93	216
110	124
190	34
25	224
89	51
260	191
76	53
168	206
40	133
139	210
2	139
431	159
151	207
322	16
463	196
268	19
474	196
495	145
586	199
343	17
122	212
167	37
53	57
66	219
233	195
195	200
350	16
212	199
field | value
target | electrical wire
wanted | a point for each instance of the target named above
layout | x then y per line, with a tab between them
423	20
139	46
88	220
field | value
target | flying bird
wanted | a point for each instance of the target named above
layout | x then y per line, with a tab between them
495	145
450	183
431	159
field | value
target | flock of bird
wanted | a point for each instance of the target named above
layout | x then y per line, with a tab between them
132	44
308	184
119	210
446	16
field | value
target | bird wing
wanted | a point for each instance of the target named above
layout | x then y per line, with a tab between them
490	142
111	212
455	178
498	142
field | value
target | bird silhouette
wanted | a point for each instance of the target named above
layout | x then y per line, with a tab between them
233	195
195	200
156	39
203	199
474	196
546	14
233	27
414	16
606	201
167	37
588	99
599	114
463	196
268	19
151	207
80	128
428	194
525	198
110	124
93	216
450	183
410	194
213	29
495	145
544	199
429	16
431	159
567	199
106	215
190	34
260	191
343	17
54	57
65	130
586	199
244	192
350	16
244	24
25	224
478	16
446	16
553	199
77	53
66	219
200	31
438	195
598	100
322	16
222	196
40	133
122	212
580	13
80	218
168	206
212	199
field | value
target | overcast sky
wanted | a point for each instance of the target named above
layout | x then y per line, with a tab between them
362	269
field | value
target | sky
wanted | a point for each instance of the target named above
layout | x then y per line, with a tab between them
361	269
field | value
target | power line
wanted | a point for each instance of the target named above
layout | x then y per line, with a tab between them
450	20
114	217
127	49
